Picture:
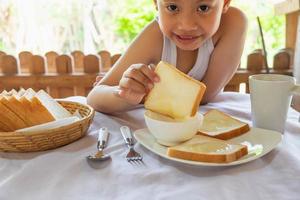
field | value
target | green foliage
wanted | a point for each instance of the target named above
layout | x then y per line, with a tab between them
130	16
272	26
64	26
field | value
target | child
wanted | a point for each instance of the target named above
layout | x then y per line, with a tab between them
202	38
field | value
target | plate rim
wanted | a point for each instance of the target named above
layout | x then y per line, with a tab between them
198	163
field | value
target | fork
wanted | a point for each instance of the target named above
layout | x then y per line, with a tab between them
132	155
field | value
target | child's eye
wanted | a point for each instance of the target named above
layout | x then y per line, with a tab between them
172	8
203	8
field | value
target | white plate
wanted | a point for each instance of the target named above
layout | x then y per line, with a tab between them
259	142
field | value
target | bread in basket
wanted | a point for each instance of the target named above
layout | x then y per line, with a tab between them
12	140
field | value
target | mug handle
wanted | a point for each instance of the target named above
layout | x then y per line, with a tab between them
296	89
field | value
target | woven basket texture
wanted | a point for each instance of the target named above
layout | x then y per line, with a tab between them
49	139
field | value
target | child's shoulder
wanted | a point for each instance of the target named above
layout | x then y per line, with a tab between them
153	29
233	22
152	38
236	16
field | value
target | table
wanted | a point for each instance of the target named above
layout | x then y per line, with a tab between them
64	173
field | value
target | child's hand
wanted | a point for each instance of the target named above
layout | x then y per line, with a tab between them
136	82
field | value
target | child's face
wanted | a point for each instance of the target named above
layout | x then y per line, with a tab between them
189	22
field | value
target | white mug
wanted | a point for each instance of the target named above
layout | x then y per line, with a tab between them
271	96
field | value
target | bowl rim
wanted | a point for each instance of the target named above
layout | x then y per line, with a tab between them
198	114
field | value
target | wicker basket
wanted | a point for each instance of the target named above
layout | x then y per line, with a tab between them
49	139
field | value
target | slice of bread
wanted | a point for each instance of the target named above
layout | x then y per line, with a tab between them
14	105
10	119
29	93
3	93
176	95
26	108
51	125
39	113
56	110
10	93
222	126
4	127
21	92
206	149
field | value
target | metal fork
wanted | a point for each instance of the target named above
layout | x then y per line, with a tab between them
132	155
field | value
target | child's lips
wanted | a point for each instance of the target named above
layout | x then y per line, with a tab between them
186	39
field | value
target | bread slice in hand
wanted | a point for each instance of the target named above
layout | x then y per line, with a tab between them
206	149
222	126
176	94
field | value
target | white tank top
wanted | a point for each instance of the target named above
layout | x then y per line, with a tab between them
169	54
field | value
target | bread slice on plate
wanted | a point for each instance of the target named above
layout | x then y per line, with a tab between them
206	149
222	126
176	95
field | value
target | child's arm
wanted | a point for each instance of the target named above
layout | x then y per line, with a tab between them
125	85
226	56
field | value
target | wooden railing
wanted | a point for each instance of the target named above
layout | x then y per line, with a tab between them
74	74
282	64
59	75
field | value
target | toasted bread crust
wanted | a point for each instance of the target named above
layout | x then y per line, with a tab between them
199	98
42	110
227	134
4	127
19	112
16	107
39	114
211	158
10	119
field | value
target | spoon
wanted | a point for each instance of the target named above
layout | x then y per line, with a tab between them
102	140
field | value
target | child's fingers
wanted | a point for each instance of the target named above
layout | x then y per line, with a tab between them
148	71
138	75
155	76
132	84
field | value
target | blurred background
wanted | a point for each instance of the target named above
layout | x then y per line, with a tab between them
40	26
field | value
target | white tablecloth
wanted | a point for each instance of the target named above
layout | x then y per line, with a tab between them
64	173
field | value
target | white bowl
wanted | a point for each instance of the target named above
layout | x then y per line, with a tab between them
170	132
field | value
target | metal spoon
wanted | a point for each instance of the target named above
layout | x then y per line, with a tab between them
102	140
